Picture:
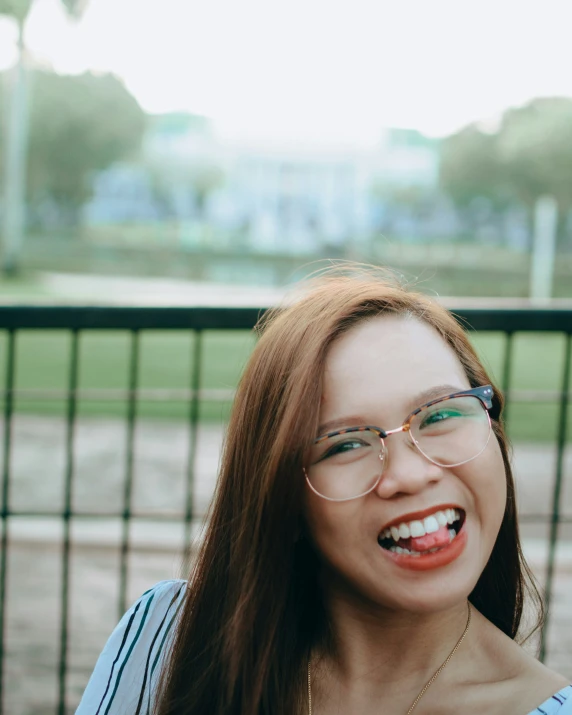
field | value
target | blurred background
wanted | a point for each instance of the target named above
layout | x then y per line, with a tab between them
236	143
211	154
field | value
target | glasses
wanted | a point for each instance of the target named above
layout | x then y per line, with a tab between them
448	431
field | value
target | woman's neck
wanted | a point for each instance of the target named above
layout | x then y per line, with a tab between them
374	648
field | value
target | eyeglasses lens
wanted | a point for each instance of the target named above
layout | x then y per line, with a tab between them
452	431
346	465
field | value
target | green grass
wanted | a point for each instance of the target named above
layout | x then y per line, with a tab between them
166	362
43	359
537	364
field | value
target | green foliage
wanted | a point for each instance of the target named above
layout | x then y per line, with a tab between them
18	9
535	149
529	156
470	166
203	177
78	125
75	8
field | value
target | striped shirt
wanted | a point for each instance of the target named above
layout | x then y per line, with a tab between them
126	674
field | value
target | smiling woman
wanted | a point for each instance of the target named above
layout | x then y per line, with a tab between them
362	553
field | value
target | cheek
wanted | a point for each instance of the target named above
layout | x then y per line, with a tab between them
332	528
490	489
498	475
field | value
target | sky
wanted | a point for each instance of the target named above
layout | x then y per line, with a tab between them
335	70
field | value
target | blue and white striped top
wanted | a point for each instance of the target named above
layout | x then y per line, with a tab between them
127	671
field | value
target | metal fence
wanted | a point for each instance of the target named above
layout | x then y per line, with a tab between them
14	321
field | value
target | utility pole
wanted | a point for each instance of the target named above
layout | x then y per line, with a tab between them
543	249
13	214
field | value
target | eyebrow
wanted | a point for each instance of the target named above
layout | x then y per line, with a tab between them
421	398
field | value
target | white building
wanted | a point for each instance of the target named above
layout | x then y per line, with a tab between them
271	197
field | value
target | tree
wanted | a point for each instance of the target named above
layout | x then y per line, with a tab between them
534	147
78	125
200	173
528	157
16	135
17	9
470	167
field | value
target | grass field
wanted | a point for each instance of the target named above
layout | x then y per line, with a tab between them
166	362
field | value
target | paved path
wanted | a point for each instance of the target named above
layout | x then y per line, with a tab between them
161	449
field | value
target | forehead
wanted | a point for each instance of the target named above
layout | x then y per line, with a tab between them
387	360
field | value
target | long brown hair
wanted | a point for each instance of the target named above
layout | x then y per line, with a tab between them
253	608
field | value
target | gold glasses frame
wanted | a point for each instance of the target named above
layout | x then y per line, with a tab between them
483	393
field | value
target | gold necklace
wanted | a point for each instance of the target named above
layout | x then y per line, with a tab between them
427	685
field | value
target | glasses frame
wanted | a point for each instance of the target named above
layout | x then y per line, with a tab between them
484	394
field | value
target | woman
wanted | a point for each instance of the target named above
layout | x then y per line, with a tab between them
362	555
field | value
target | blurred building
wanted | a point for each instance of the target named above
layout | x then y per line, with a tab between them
283	199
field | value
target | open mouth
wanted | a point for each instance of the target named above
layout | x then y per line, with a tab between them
421	537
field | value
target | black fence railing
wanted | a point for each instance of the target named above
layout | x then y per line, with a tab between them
77	322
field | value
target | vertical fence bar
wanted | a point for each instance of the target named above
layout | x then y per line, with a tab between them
8	412
128	486
506	372
557	490
193	430
67	514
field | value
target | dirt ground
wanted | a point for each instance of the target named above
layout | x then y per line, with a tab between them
161	451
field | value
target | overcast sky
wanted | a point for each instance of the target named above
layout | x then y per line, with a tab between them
316	68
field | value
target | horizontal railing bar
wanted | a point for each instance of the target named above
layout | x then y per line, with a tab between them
118	395
170	516
45	513
159	394
127	318
515	320
13	317
544	518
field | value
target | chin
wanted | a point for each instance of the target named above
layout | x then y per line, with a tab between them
434	602
424	592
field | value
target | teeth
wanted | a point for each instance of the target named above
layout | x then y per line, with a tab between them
417	528
401	550
404	531
431	525
441	518
452	534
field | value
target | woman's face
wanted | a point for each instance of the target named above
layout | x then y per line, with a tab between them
376	374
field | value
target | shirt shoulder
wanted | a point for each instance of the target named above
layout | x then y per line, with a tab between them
126	673
559	704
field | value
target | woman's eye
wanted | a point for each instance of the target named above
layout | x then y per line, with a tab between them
440	416
344	448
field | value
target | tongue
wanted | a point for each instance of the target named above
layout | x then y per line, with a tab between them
430	541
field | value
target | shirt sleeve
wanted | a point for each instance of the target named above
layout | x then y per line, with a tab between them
126	673
559	704
565	696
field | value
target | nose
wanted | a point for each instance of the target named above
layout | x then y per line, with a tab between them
406	469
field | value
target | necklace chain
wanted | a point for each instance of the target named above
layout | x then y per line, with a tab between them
427	685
